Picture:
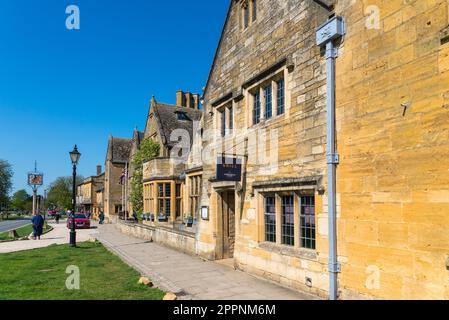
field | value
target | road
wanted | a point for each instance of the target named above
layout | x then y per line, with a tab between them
13	224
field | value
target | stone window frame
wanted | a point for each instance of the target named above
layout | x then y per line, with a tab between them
195	186
178	200
228	109
259	87
297	200
248	13
164	198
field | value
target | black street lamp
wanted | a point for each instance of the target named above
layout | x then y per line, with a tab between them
74	157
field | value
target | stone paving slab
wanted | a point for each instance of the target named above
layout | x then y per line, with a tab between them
191	277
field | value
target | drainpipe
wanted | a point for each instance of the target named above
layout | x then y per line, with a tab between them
327	34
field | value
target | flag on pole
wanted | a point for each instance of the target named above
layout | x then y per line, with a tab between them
123	177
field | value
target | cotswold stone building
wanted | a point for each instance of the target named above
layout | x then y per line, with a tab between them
265	106
172	180
117	157
392	87
265	112
87	196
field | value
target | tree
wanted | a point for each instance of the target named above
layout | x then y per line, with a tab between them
6	174
60	192
20	200
148	150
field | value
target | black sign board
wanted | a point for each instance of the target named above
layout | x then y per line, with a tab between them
229	169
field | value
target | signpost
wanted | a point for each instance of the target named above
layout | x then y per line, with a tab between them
35	180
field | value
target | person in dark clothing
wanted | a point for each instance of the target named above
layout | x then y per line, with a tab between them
38	226
136	220
101	216
57	217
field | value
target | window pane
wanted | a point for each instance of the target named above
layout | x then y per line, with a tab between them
167	207
223	122
281	96
288	223
256	109
167	189
268	102
307	221
161	190
270	219
231	118
246	16
254	10
178	190
178	208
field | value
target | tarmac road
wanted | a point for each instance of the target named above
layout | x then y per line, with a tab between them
13	224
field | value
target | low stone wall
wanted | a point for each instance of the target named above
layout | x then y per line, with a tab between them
181	241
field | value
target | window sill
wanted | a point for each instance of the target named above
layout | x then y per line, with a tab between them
267	122
289	251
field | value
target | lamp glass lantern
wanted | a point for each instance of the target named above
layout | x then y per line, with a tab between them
75	156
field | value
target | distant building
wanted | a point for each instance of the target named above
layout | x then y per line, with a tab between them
166	181
87	198
117	158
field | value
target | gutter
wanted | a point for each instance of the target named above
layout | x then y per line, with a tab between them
327	35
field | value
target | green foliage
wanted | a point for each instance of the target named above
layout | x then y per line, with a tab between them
21	200
6	174
60	192
149	150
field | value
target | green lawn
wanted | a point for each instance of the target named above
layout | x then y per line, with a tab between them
22	232
41	274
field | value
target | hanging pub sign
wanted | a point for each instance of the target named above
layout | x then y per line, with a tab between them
229	169
35	179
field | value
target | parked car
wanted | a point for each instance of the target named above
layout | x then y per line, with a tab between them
52	213
81	222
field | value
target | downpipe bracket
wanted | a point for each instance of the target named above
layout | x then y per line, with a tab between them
333	158
334	267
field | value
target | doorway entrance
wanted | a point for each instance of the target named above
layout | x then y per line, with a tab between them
227	199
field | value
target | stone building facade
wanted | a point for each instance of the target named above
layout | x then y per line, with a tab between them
167	186
264	106
117	158
87	200
392	87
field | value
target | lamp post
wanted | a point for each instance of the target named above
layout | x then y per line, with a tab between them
74	157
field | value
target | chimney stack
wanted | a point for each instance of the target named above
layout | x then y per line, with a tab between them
188	100
98	170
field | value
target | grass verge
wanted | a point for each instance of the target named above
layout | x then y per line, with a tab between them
41	275
22	232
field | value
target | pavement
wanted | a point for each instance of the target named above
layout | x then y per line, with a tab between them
59	235
189	277
13	224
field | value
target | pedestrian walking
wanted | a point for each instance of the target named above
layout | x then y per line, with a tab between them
136	220
101	216
57	217
38	225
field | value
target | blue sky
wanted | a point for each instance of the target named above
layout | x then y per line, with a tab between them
59	87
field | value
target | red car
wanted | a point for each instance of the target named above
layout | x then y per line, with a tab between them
81	222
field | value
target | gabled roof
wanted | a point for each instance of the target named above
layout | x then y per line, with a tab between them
168	120
119	150
326	4
138	137
219	46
